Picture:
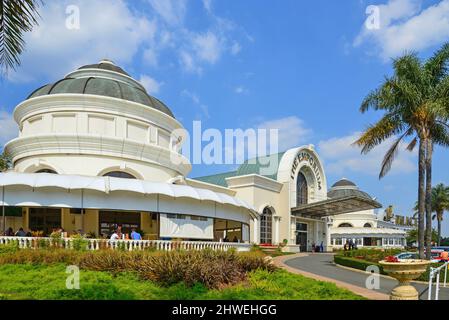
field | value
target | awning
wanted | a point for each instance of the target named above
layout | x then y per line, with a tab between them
331	207
110	184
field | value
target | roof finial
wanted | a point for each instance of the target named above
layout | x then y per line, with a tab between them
107	61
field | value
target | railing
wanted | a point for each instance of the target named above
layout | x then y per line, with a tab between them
436	272
129	245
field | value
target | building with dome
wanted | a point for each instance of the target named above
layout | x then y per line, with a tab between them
95	150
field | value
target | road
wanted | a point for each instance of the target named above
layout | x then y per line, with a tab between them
323	265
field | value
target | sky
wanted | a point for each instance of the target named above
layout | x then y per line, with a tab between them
300	67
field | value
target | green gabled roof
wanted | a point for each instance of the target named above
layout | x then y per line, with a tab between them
218	179
251	166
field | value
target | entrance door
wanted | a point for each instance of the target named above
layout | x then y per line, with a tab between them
301	236
44	219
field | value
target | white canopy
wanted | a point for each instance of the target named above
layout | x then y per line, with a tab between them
110	184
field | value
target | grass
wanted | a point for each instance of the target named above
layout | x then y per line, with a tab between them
39	282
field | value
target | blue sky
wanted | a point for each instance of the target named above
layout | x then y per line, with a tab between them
302	67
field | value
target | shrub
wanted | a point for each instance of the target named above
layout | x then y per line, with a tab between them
39	256
79	243
356	263
9	248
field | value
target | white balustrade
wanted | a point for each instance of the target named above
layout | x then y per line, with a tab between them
129	245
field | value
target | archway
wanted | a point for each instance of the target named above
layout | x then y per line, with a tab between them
302	189
266	226
345	225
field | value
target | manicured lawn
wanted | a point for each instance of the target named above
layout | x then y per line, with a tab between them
26	281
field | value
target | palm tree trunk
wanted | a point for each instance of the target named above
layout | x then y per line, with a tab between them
439	218
421	196
429	147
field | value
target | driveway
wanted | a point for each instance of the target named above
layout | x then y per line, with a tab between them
323	265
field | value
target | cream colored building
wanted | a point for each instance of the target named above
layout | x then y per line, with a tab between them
95	150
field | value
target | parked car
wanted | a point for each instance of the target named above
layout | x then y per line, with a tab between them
435	258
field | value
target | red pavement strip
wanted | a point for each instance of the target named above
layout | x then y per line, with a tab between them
369	294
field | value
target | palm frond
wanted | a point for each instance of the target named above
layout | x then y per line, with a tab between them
412	144
16	18
375	134
391	155
437	66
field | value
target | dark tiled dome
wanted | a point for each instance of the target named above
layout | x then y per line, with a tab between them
344	183
102	86
105	66
346	188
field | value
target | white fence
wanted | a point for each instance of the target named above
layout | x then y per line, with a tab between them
435	273
130	245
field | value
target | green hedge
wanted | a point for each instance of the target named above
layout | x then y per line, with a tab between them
363	264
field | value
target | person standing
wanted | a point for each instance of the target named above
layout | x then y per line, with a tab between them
135	235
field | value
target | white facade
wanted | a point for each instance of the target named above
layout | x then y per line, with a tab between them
98	126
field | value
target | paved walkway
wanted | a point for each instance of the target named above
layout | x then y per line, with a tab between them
322	267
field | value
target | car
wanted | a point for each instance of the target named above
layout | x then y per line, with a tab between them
407	256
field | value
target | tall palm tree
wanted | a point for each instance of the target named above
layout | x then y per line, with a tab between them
415	101
440	203
16	18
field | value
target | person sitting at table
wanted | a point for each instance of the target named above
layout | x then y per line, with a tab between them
135	235
9	232
115	236
21	233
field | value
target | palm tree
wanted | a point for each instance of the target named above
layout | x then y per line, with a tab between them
16	18
416	103
440	203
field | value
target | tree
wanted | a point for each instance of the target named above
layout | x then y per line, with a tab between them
16	18
389	214
5	161
415	101
412	236
440	203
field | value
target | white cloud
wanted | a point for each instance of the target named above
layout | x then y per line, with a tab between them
235	49
240	90
292	131
207	5
172	11
8	127
108	29
151	85
207	47
342	157
116	30
405	26
204	109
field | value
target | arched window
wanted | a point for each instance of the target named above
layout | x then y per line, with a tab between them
345	225
266	221
46	171
367	225
119	174
301	190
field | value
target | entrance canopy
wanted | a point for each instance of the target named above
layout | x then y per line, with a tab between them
14	185
335	206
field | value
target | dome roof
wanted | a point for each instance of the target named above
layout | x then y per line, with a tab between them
344	183
346	188
105	65
101	86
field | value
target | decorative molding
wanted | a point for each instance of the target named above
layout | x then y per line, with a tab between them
254	180
92	145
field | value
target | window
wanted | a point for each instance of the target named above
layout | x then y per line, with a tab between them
338	241
265	226
359	242
109	221
367	225
46	171
119	174
44	219
197	218
301	190
345	225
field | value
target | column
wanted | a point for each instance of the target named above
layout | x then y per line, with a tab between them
277	220
328	222
256	231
